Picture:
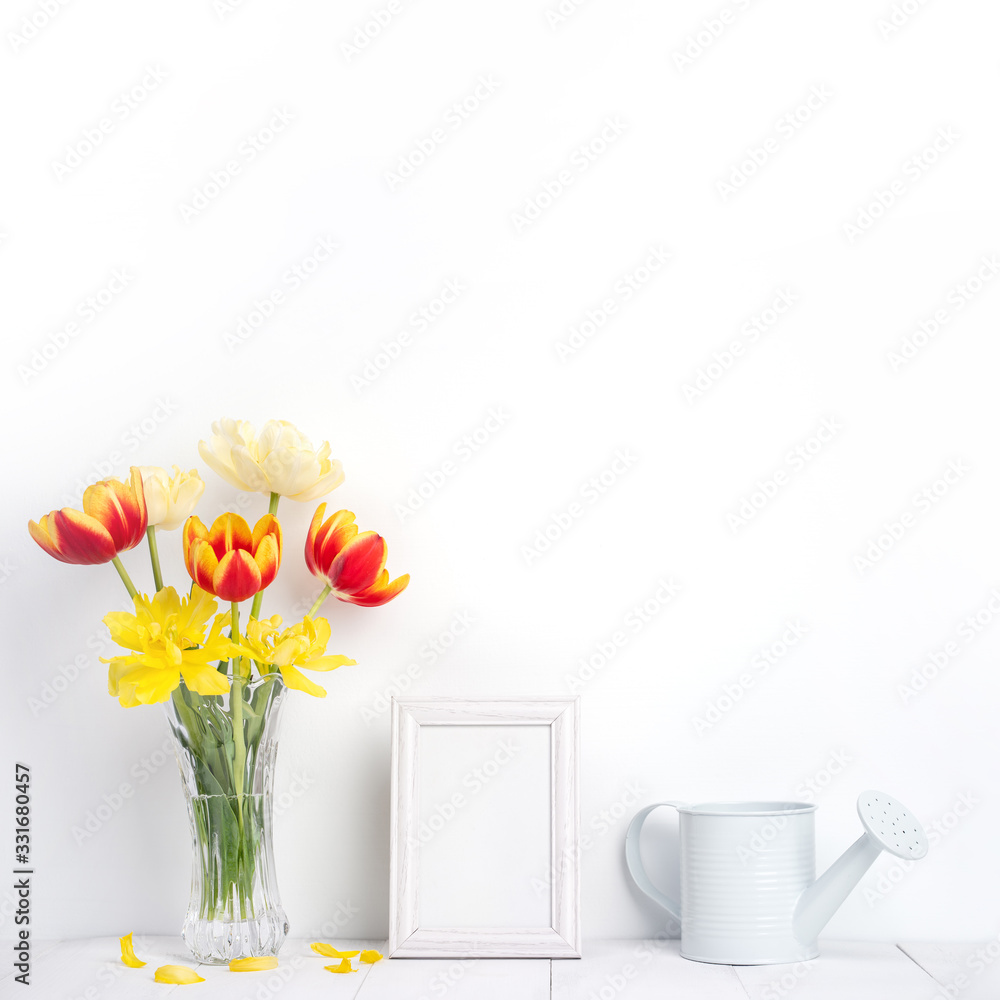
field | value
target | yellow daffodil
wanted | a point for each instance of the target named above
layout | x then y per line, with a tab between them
280	459
177	975
255	964
328	950
168	641
369	956
128	954
301	645
344	966
170	498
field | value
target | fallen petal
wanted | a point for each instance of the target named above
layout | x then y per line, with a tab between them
344	966
128	954
369	956
328	950
177	975
254	964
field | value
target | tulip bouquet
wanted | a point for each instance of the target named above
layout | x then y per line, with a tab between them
222	683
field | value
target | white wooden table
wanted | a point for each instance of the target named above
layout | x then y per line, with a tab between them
633	970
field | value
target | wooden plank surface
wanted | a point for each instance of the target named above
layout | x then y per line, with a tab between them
970	971
458	979
92	969
300	973
860	971
38	950
641	970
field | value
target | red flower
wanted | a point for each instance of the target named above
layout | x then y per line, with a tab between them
228	561
113	519
352	564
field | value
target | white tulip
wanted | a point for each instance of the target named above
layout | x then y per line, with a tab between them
280	459
170	498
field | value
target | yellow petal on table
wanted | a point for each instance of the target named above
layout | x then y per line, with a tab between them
328	950
128	954
254	964
177	975
370	956
345	966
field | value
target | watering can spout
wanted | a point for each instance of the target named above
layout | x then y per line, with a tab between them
823	898
888	827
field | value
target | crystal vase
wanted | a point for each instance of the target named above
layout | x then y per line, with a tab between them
226	747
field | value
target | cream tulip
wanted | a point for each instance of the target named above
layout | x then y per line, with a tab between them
280	459
170	499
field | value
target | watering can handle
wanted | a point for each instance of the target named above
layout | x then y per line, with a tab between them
633	860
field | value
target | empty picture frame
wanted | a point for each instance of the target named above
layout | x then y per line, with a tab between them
432	740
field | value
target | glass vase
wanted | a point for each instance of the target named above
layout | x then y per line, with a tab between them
226	747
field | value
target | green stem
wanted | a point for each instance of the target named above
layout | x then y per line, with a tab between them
129	586
154	557
239	762
239	750
319	600
272	509
234	634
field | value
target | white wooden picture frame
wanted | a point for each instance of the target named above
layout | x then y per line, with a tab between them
561	938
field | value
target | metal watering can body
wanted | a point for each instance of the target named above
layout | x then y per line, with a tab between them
749	895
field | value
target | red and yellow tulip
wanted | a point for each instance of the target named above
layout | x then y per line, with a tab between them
352	564
228	560
113	519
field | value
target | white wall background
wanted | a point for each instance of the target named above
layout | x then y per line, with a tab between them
143	380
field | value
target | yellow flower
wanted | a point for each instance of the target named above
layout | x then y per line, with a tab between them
370	956
344	966
255	964
170	499
280	459
167	639
178	975
128	954
328	951
301	645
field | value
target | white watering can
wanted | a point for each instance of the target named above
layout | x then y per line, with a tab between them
749	893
